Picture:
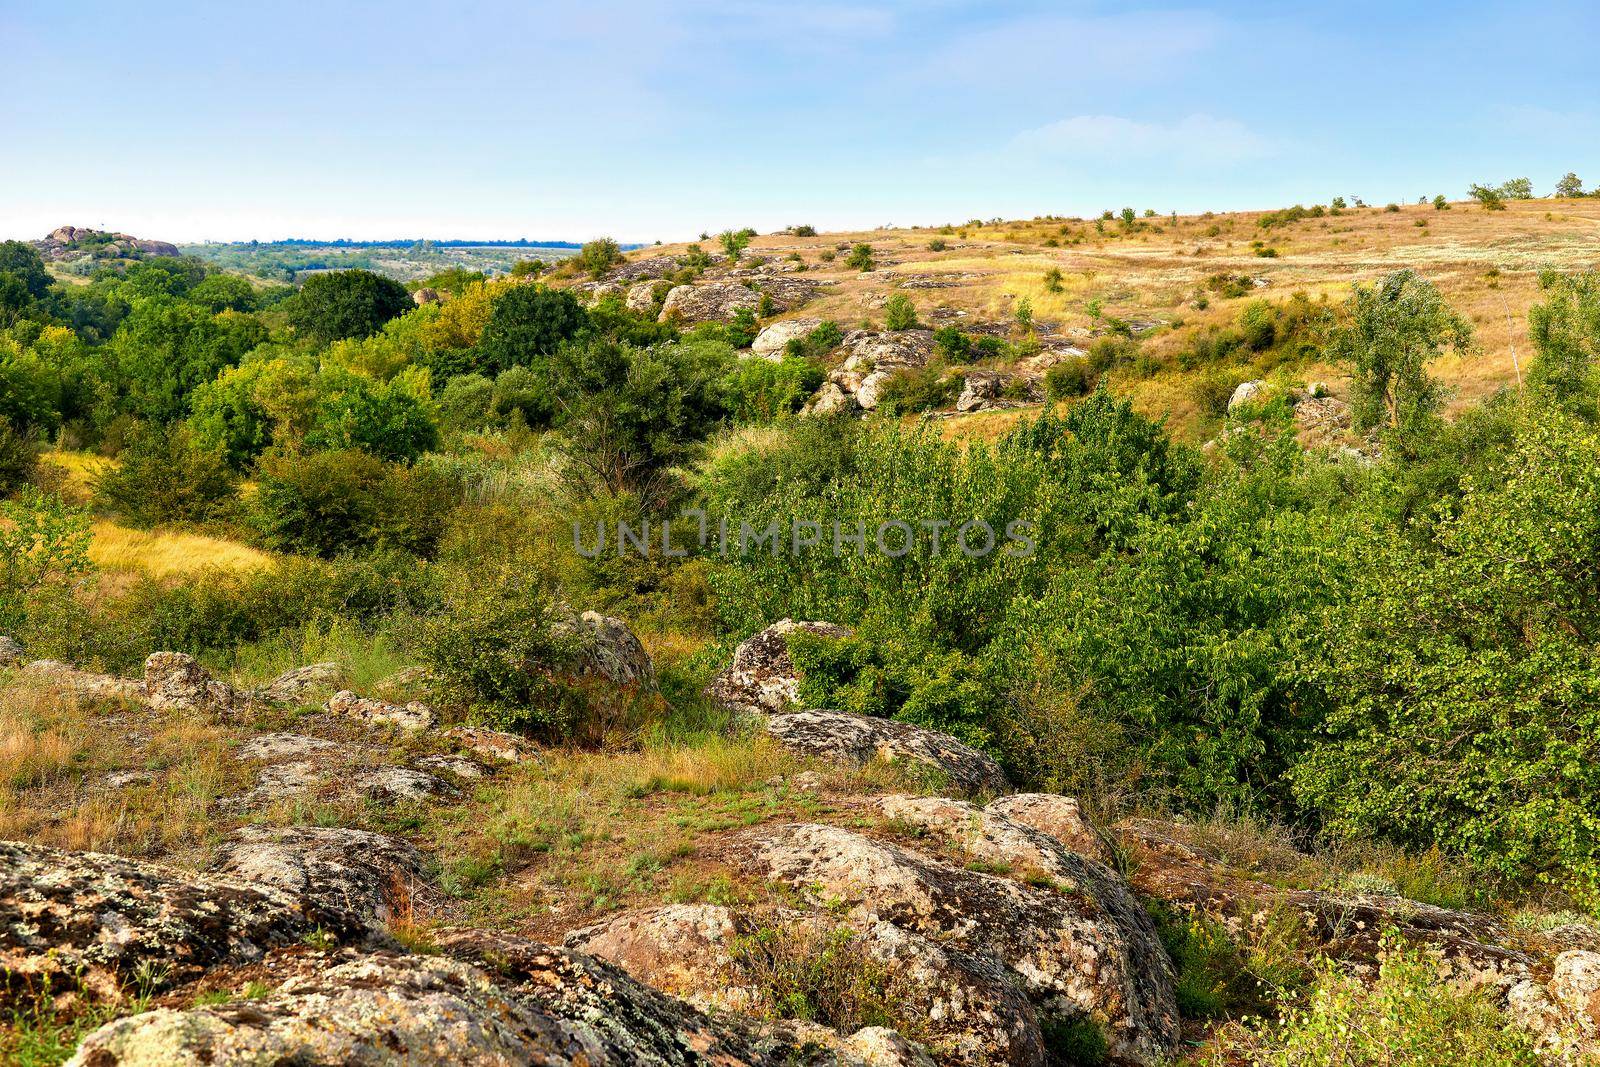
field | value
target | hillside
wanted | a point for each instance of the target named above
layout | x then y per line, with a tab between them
1175	279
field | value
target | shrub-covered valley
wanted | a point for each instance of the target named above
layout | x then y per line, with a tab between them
603	662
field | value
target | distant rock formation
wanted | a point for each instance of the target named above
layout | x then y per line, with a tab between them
66	244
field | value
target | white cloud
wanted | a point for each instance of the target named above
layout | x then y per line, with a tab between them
1198	140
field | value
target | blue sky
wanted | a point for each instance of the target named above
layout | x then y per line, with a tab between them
644	120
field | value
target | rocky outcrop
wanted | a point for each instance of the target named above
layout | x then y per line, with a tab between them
426	295
1076	942
11	652
979	390
175	681
279	746
490	744
457	767
89	923
709	302
771	341
641	298
762	677
66	243
1060	817
872	358
831	399
298	684
860	739
1246	393
359	873
86	685
401	783
412	716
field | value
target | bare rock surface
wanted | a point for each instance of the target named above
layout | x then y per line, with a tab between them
361	873
458	767
280	746
490	744
85	684
11	651
708	302
92	921
860	739
412	716
1077	951
1061	818
401	783
769	343
296	685
762	677
175	681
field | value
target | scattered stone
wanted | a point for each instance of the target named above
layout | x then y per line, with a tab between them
458	766
762	677
89	922
490	744
401	783
283	746
860	739
175	681
85	684
1060	817
1245	393
1086	953
126	779
296	685
711	302
771	341
412	716
360	873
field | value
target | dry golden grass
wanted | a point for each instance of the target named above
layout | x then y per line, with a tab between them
166	552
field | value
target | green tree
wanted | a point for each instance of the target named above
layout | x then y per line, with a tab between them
1569	186
1393	330
166	348
44	549
734	242
224	292
527	324
1517	189
1566	339
1490	197
598	256
164	476
331	503
392	420
346	303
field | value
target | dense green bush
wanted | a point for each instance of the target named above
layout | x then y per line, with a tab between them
1067	379
758	390
527	324
328	503
914	389
899	313
346	303
19	458
164	476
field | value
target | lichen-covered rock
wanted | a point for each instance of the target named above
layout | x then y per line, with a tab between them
1575	983
11	651
89	922
296	685
1246	393
401	783
771	341
175	681
1076	950
85	684
979	389
870	391
278	746
490	744
458	767
360	873
710	302
1060	817
412	716
968	1007
830	399
860	739
878	1046
762	677
869	350
641	298
426	295
615	654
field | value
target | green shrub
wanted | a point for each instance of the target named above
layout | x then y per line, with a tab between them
938	244
914	389
1067	379
952	345
164	476
346	303
1212	391
44	549
19	458
329	503
759	390
527	324
899	313
598	256
1078	1042
860	257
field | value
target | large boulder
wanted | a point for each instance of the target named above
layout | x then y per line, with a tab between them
1060	817
968	1007
771	341
762	677
710	302
1246	393
831	399
360	873
175	681
296	685
869	350
641	298
615	653
980	389
861	739
1075	940
89	923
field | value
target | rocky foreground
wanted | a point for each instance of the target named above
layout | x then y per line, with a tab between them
997	927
